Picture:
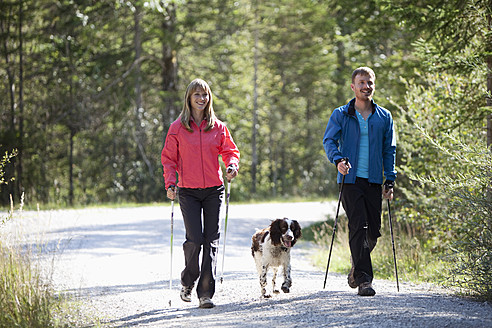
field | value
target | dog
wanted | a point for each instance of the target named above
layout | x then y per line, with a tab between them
271	249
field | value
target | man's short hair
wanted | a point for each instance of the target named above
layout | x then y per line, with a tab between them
363	71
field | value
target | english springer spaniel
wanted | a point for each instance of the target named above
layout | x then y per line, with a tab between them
271	248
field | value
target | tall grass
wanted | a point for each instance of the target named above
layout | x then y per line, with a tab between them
25	301
27	296
416	259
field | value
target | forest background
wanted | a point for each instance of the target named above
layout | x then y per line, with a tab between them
89	88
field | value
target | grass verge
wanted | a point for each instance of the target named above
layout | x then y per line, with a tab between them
416	260
27	296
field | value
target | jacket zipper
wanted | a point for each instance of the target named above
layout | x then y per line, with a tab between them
201	157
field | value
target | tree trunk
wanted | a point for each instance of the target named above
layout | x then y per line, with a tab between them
70	192
308	161
489	102
489	77
273	163
10	74
72	119
340	76
254	155
170	66
10	138
19	178
139	136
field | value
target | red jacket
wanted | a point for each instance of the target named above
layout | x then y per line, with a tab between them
195	155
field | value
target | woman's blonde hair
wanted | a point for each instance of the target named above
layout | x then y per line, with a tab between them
185	115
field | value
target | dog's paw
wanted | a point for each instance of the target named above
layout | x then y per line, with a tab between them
267	296
276	291
285	289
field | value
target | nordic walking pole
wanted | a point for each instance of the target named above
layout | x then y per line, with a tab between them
393	244
335	225
171	261
225	227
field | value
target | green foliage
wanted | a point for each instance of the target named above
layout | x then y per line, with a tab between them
445	181
3	162
439	106
450	26
467	189
102	82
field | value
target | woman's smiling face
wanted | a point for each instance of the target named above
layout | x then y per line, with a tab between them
199	99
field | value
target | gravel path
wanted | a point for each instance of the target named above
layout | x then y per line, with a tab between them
118	262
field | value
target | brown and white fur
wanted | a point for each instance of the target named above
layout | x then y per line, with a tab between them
271	249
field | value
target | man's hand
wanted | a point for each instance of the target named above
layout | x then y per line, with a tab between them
171	192
344	166
231	172
388	192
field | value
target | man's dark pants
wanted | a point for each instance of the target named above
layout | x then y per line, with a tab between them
201	233
362	203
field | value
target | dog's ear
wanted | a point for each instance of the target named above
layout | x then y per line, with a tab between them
255	243
265	234
275	232
297	231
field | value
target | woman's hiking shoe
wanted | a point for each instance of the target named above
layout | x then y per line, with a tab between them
206	303
365	289
186	293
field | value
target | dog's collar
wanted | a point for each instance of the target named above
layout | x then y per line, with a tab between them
285	249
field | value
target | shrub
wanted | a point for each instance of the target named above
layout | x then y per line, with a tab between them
468	191
445	184
3	162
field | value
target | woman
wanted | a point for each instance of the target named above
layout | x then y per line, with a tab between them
192	148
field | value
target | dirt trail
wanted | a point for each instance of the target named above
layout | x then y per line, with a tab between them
117	261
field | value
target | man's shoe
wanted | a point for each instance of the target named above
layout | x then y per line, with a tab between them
186	293
206	303
351	278
365	289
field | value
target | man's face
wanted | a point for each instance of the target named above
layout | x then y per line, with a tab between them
363	87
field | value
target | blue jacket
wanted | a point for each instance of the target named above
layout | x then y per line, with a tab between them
342	137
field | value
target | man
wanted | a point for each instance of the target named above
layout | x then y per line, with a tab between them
360	140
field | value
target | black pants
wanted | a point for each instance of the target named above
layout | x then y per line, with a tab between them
362	203
201	234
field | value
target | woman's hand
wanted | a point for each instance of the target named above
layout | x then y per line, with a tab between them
231	172
171	192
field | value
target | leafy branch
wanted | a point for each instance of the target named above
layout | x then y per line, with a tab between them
5	160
